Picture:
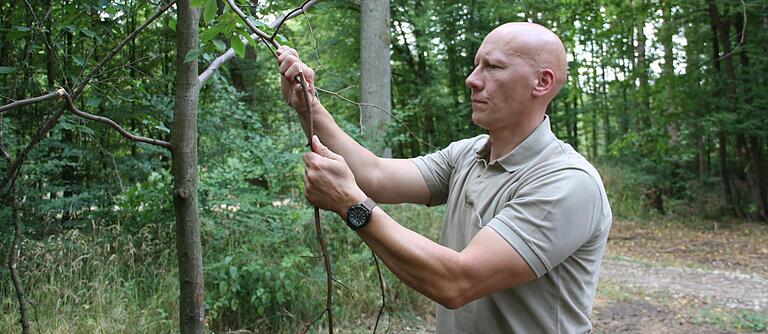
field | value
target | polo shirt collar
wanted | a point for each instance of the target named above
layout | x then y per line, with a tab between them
523	153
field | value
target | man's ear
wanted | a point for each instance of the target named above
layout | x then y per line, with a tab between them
545	82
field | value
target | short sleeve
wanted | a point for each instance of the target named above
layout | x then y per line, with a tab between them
437	168
551	217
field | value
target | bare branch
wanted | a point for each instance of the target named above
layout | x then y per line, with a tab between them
742	33
71	106
290	15
31	100
360	105
95	71
3	150
250	24
13	170
383	294
13	257
318	226
229	54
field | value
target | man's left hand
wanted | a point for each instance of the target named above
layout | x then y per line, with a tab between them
328	182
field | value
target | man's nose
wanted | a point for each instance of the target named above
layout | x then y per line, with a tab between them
473	80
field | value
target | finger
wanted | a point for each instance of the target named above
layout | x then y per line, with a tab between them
308	159
286	50
309	75
294	70
287	63
323	151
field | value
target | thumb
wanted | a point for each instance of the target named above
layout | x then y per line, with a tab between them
323	151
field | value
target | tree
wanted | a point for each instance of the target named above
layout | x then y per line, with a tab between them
375	73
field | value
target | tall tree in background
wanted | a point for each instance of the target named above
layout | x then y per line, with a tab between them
375	73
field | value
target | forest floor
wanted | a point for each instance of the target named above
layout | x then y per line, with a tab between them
660	277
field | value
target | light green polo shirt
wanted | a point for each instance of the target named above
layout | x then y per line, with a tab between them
549	203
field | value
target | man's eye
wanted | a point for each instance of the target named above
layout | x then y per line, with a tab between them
492	67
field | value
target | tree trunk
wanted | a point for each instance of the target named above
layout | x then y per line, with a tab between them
604	99
728	201
184	168
667	32
375	73
748	147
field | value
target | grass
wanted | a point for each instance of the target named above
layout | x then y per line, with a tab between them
745	320
110	281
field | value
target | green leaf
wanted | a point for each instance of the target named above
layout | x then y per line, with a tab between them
250	39
196	3
172	24
211	32
163	128
238	45
210	10
7	70
219	45
21	28
88	33
93	102
192	55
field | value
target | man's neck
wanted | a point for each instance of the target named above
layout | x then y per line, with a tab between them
505	140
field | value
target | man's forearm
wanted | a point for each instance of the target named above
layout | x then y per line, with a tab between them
429	268
362	162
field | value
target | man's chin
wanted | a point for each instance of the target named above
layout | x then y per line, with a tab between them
478	119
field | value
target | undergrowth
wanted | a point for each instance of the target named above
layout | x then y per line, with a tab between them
262	275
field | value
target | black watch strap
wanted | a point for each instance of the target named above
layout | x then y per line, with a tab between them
359	214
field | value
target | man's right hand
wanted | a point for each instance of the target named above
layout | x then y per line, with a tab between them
290	67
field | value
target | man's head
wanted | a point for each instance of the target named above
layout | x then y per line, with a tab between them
519	69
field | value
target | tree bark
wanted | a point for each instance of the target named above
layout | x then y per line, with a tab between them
13	257
668	31
728	201
375	73
748	145
641	68
184	169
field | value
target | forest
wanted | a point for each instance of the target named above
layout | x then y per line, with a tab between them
151	176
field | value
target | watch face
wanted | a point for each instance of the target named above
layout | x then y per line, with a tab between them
357	216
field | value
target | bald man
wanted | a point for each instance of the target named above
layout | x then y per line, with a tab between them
526	219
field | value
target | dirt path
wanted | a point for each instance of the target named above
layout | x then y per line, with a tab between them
732	289
670	278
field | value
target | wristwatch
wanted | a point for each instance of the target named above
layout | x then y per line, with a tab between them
359	214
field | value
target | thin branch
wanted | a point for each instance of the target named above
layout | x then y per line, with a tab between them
256	33
318	226
3	150
30	100
250	24
743	32
308	326
13	257
71	106
316	45
95	71
292	14
383	294
13	170
361	105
